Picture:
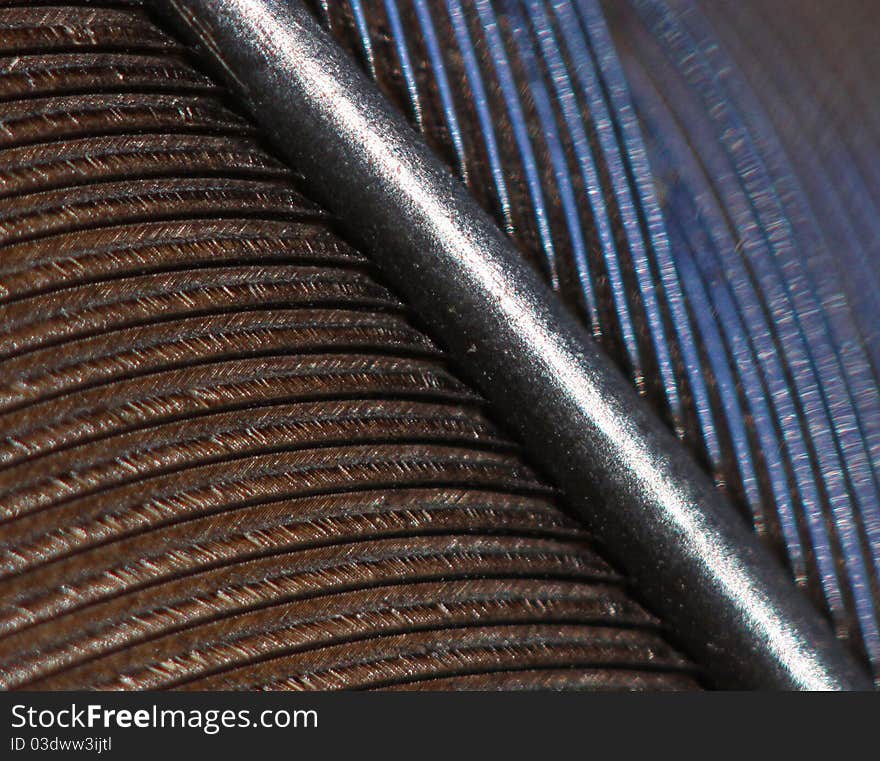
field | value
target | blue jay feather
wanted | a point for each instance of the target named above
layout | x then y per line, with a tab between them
229	458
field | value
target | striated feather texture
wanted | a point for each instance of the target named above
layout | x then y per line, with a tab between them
228	458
